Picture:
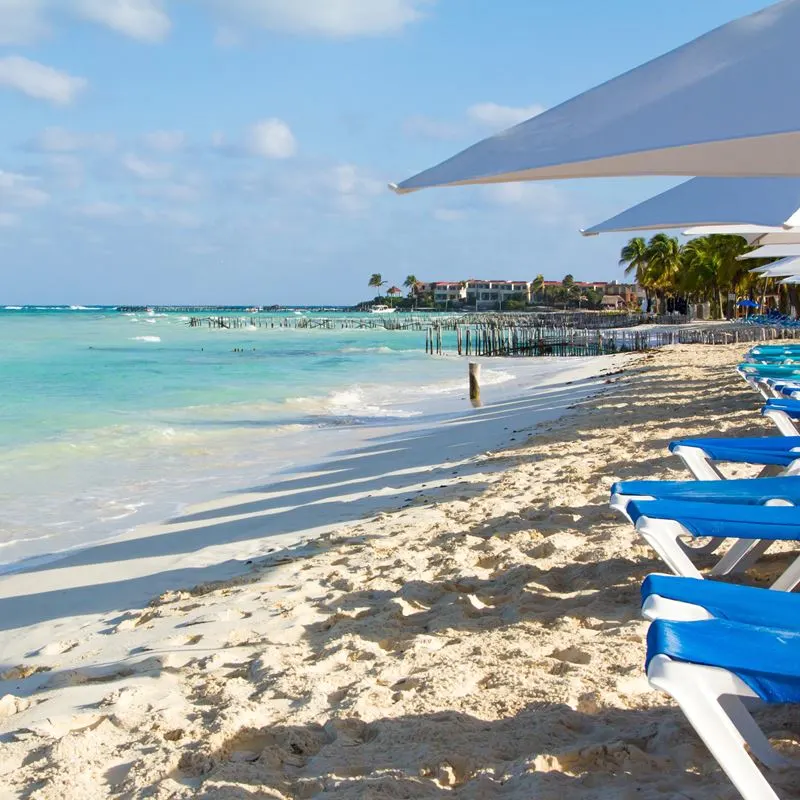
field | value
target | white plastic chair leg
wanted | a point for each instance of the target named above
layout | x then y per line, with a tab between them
790	579
664	535
711	699
783	422
698	463
742	555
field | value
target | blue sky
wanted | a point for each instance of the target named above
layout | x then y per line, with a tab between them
238	151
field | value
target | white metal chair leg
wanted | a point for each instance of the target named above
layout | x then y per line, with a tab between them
711	700
664	536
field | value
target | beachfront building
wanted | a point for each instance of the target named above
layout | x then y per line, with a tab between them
482	294
631	293
444	293
492	294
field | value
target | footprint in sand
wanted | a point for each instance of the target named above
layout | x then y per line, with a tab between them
572	655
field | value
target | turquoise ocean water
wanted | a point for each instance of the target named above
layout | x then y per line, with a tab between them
108	420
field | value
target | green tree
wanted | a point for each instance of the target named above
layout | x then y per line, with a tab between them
663	267
537	287
706	269
376	280
634	257
412	284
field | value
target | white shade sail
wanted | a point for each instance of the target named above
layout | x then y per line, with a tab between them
736	230
773	251
757	204
786	266
718	106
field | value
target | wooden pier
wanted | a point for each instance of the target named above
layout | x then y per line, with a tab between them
531	335
493	340
424	322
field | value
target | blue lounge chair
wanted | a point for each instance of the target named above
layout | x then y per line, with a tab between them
663	523
781	453
743	491
740	491
758	376
785	413
769	370
712	668
688	599
759	349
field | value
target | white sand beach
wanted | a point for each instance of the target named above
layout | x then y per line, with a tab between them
446	612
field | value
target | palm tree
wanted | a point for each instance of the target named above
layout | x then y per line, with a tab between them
376	280
411	283
664	266
634	258
537	284
700	272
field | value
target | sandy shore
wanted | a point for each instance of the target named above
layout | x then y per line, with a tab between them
481	639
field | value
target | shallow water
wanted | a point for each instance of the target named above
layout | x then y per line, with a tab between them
109	420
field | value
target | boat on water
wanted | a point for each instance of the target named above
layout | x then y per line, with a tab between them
380	309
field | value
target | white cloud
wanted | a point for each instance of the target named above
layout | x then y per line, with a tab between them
39	81
60	140
8	220
488	115
21	21
145	20
100	210
271	138
165	141
497	116
430	128
353	188
146	170
21	191
330	18
540	202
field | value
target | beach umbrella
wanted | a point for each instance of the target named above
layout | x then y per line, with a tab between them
718	106
747	304
755	205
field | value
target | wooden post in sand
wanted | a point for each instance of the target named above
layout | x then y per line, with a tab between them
475	383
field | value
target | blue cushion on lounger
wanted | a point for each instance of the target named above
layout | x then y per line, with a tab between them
752	450
785	404
769	370
766	659
723	520
743	491
730	601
